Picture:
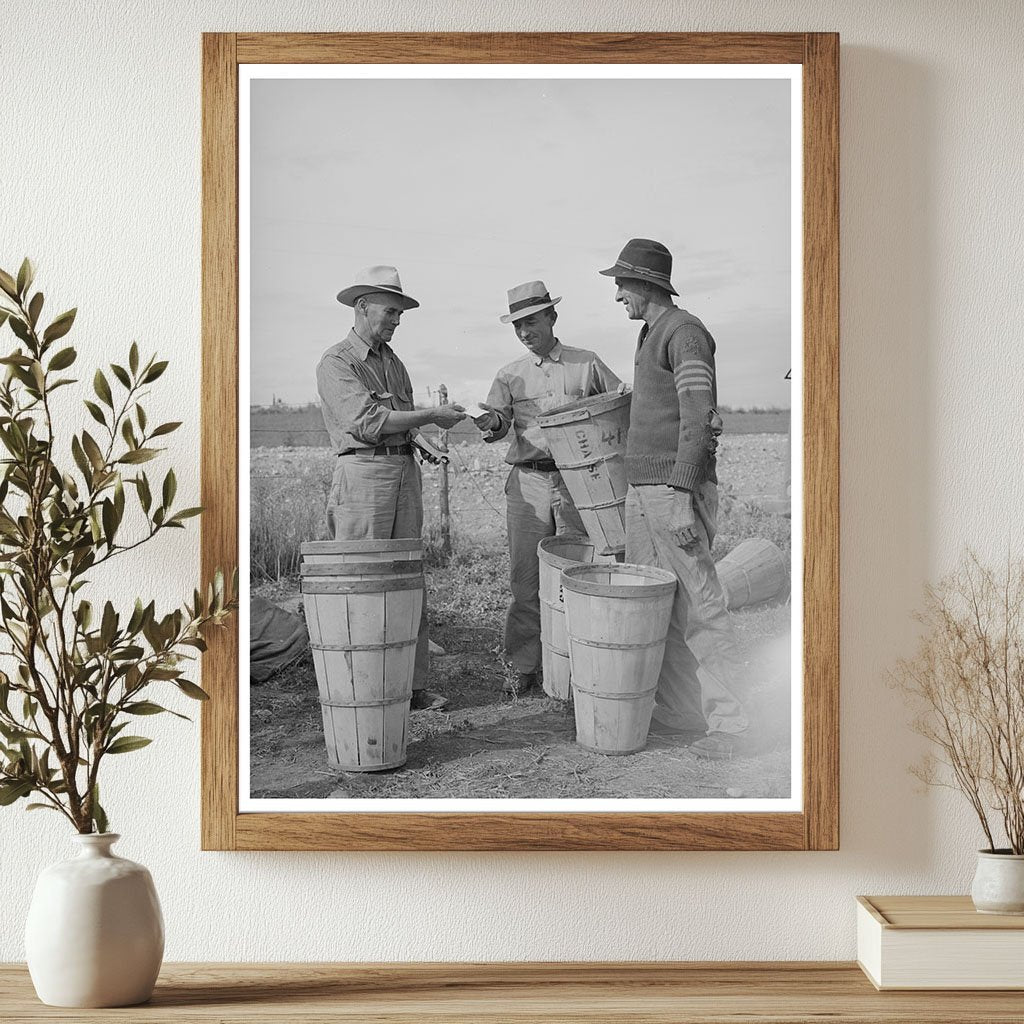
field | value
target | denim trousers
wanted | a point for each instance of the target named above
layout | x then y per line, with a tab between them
537	505
702	668
380	497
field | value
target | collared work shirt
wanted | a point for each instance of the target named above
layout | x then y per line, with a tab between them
531	386
359	385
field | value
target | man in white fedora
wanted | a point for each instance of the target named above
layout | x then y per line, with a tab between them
367	402
672	502
538	505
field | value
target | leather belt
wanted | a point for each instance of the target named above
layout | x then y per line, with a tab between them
383	449
544	466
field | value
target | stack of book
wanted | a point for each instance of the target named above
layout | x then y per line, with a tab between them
938	942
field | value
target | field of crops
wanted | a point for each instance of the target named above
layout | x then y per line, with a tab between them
289	489
485	745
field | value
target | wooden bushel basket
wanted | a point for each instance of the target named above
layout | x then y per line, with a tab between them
587	440
617	619
555	554
363	614
754	571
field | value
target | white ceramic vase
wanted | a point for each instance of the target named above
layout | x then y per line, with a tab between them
95	933
999	883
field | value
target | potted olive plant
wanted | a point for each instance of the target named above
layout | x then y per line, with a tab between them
967	683
79	671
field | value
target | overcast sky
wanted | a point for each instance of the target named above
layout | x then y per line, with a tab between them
472	186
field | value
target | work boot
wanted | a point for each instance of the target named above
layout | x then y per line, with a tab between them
523	682
427	700
721	746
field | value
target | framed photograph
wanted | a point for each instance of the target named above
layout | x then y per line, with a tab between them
521	421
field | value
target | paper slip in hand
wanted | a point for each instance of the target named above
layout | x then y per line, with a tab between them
474	412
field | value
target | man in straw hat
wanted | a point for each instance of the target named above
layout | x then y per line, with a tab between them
537	503
366	399
672	502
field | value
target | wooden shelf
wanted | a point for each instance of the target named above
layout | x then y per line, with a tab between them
647	993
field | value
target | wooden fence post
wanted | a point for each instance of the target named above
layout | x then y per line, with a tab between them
446	519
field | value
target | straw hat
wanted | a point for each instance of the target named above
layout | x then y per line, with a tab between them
376	279
527	299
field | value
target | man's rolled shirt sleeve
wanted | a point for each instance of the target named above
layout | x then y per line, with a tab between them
499	400
691	359
349	407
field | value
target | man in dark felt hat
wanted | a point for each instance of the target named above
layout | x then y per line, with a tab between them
367	404
538	505
672	502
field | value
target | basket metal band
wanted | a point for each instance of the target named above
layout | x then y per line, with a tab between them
612	696
316	586
587	463
614	503
608	646
403	568
391	645
366	703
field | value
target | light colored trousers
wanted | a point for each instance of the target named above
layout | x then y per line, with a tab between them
702	664
380	497
537	505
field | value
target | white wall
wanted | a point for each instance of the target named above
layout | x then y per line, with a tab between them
99	182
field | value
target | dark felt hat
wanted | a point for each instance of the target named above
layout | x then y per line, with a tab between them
643	259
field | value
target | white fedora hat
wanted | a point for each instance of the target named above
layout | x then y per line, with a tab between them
376	279
527	299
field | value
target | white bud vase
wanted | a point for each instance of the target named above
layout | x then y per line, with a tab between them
95	934
999	882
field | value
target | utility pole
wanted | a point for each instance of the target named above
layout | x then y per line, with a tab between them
446	518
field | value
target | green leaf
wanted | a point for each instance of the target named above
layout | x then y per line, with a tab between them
63	359
165	428
15	790
144	707
95	412
20	329
81	461
128	433
4	314
154	371
8	284
191	690
99	816
109	518
26	274
140	415
139	455
185	513
121	374
108	626
145	497
92	449
83	613
170	488
102	388
133	358
60	326
126	744
35	308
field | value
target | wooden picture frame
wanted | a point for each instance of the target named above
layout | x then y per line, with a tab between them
816	826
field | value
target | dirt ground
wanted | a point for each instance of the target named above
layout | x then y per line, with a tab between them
487	745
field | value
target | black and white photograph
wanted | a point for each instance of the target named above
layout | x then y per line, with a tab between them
520	470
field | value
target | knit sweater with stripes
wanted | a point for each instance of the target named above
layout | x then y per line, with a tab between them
675	393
